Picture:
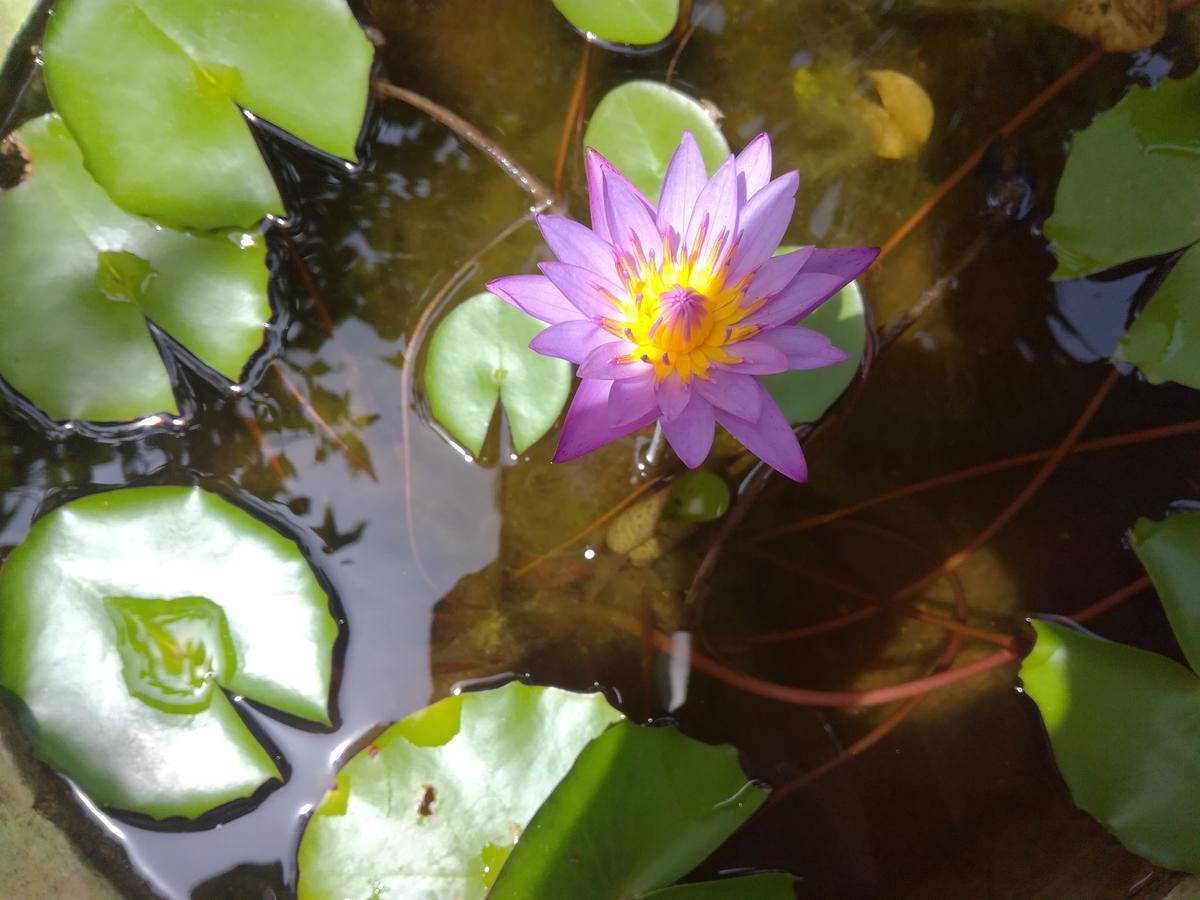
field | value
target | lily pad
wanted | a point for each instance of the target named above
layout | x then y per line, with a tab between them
637	127
1170	551
81	277
640	808
805	396
122	613
13	14
1164	342
479	355
1125	727
622	21
432	807
153	90
1131	187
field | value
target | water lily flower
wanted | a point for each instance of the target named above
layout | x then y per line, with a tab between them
670	312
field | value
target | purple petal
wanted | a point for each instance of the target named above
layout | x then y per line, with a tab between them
771	439
571	341
845	262
685	178
690	434
755	357
630	222
598	169
586	426
762	223
804	348
604	362
536	296
715	213
753	168
586	290
673	396
776	273
732	392
804	293
631	399
578	245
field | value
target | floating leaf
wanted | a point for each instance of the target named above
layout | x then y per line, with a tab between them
1131	187
81	277
432	807
151	89
1164	342
480	354
698	496
13	14
1125	726
637	127
1119	26
901	122
640	808
1170	551
122	614
622	21
804	396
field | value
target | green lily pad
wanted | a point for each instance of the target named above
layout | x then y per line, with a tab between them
622	21
640	809
1170	551
698	496
151	89
805	396
1131	187
1125	727
123	612
637	127
479	355
1164	342
81	277
13	14
434	805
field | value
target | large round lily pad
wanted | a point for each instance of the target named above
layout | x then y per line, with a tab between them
153	91
622	21
637	127
126	616
432	808
81	277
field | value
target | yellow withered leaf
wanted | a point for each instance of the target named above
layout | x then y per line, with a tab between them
1119	26
900	123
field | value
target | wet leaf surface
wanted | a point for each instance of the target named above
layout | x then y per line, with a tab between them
151	89
478	355
637	127
432	807
125	616
622	21
1125	727
1131	187
640	808
81	277
1170	551
1164	341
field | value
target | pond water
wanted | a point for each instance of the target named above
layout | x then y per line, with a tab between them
427	550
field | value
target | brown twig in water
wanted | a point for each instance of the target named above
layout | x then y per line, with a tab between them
1142	435
683	40
271	458
609	514
468	132
306	279
357	458
414	346
573	115
1115	598
1018	503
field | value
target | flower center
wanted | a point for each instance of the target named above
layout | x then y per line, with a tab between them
683	322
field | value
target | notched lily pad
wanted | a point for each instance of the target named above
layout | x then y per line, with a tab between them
153	91
81	277
433	806
479	355
126	616
637	127
1164	342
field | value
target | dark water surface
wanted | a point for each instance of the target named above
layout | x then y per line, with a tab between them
963	800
